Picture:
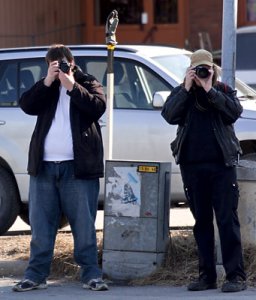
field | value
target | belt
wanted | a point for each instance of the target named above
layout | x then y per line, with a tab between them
58	161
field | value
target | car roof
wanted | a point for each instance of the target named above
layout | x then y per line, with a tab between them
246	29
147	50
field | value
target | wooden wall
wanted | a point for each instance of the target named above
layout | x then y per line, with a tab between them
34	22
205	16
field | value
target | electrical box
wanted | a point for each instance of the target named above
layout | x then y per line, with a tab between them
136	218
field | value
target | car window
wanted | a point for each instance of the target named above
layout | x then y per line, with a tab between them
134	83
30	71
8	84
245	51
18	76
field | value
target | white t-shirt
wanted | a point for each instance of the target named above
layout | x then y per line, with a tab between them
58	144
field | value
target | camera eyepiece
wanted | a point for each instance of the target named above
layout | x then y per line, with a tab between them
201	71
64	66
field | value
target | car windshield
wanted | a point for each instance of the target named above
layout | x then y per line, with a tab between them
244	92
178	64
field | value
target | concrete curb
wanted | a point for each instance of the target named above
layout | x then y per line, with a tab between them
9	268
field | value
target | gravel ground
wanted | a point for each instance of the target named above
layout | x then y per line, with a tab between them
179	267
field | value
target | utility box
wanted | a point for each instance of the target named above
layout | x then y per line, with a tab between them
246	176
136	218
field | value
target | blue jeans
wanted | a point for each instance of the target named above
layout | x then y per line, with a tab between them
53	191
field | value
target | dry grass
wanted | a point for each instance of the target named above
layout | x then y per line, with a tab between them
14	247
17	248
180	264
179	267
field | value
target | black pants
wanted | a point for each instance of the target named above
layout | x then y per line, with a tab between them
213	187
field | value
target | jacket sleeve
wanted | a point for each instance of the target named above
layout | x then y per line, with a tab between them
37	98
223	98
88	96
176	106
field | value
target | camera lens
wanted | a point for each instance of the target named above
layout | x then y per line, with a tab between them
202	72
64	66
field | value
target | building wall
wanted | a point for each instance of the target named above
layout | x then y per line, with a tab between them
43	22
168	34
205	16
34	22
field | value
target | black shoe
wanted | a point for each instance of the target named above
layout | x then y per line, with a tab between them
28	285
201	285
234	285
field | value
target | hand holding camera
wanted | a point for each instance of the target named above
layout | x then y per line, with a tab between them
64	66
61	70
202	72
52	73
204	77
66	75
201	76
189	79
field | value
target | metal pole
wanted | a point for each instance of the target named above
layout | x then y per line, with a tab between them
228	56
111	25
228	64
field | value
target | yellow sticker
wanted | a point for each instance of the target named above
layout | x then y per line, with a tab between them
147	169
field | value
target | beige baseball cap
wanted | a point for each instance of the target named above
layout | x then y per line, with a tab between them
201	57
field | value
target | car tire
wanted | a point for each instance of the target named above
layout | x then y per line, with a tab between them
9	201
24	213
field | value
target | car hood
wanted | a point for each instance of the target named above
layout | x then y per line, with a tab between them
249	107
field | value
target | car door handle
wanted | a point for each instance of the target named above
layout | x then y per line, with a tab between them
2	122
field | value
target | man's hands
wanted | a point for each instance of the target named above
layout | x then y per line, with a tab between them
67	80
52	74
205	83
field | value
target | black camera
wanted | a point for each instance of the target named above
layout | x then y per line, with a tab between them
202	72
64	66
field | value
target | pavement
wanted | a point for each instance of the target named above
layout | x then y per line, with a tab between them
66	290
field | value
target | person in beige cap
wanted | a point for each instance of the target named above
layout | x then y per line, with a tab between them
207	150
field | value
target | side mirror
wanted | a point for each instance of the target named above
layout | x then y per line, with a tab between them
159	98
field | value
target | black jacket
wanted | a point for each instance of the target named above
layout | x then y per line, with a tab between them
226	109
87	105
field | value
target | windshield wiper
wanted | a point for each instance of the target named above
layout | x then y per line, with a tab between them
247	97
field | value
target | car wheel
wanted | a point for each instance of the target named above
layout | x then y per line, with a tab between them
24	213
9	201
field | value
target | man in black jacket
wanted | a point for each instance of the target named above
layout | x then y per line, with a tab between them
65	163
207	150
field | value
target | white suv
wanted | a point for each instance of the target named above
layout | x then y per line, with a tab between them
144	76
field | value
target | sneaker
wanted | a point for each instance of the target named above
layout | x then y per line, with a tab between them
234	285
201	285
28	285
96	285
